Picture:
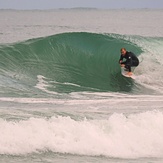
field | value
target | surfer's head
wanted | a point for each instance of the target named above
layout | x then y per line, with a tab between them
123	51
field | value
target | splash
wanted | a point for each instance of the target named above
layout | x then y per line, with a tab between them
132	136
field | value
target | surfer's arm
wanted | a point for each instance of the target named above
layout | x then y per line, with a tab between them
123	62
121	59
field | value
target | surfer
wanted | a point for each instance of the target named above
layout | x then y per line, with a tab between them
131	60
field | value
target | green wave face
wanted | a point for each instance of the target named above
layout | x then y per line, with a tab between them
67	62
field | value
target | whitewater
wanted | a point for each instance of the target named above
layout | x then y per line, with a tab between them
62	95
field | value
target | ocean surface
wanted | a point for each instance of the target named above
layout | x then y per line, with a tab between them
62	96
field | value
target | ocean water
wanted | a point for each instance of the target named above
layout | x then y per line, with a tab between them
62	95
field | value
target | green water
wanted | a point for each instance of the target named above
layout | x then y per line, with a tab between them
87	61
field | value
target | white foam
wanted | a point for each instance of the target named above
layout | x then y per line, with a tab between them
138	135
43	84
149	72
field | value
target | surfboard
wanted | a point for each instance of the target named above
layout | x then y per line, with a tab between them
124	73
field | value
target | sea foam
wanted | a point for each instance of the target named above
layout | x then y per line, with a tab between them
135	135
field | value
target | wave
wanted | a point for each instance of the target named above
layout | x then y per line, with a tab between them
119	136
65	63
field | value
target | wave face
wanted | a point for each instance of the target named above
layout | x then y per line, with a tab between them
64	63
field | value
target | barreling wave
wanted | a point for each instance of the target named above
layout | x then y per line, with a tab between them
64	63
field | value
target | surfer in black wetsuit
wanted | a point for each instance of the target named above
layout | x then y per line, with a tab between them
131	60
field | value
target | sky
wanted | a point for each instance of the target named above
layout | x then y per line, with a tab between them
104	4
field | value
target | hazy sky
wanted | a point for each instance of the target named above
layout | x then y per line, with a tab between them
50	4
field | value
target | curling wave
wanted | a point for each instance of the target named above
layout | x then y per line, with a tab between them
64	63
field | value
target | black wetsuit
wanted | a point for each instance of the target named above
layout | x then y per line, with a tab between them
131	60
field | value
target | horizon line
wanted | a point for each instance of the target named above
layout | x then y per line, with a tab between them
82	8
